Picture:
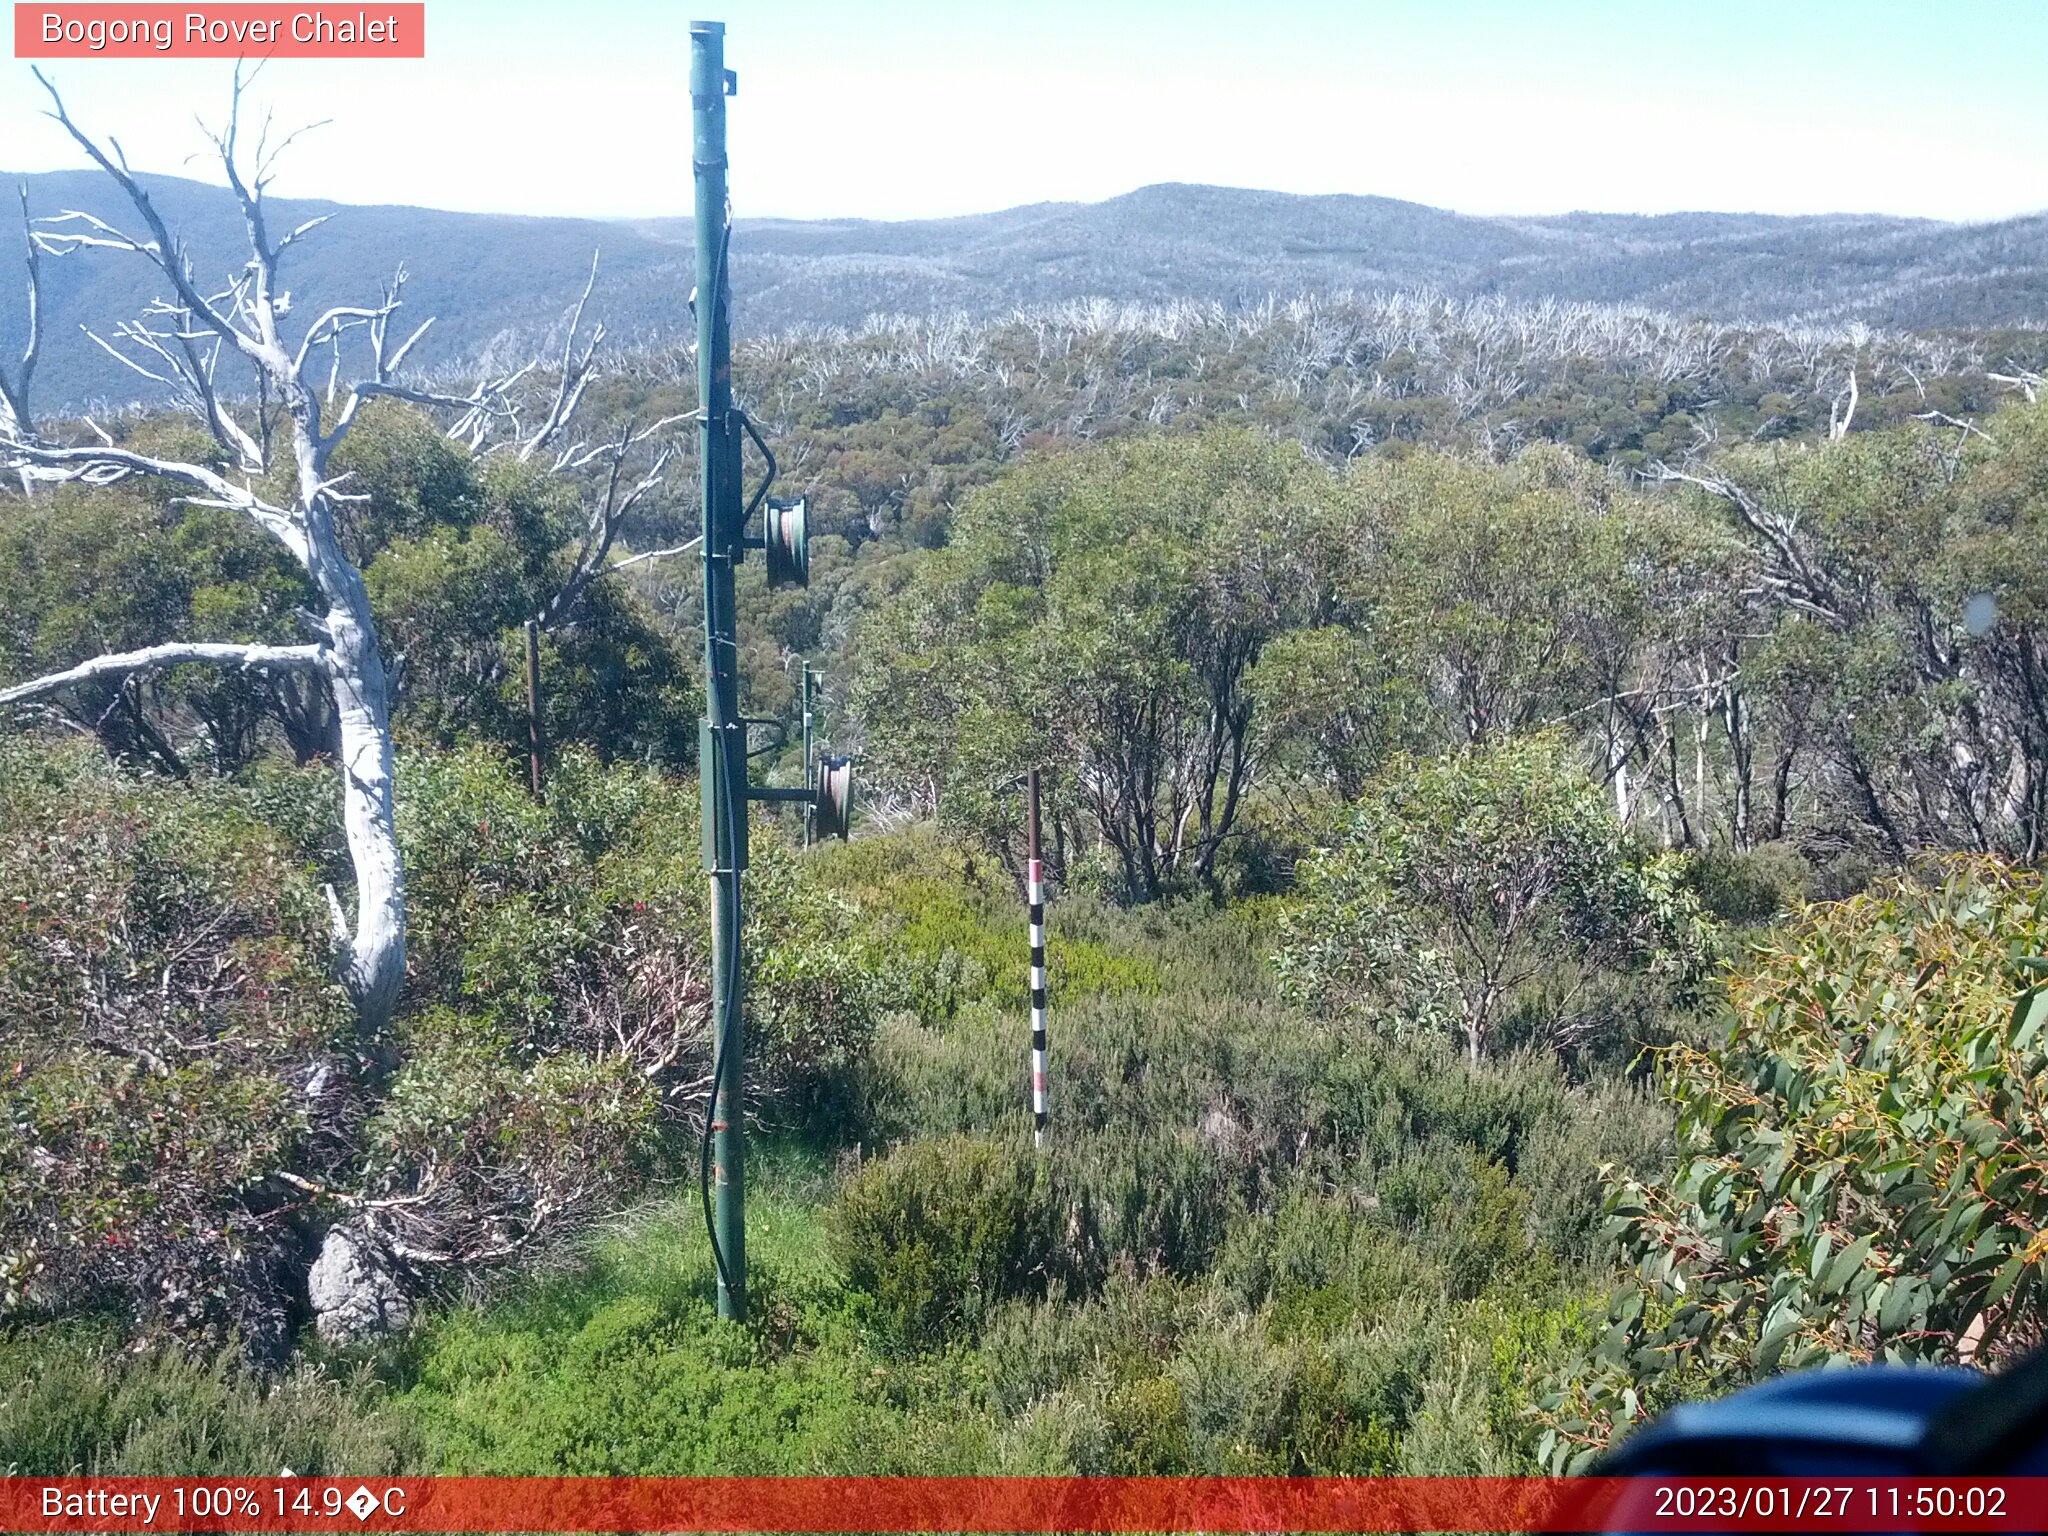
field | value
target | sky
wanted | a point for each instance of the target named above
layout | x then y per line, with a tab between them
929	108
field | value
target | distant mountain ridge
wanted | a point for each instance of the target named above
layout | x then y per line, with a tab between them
499	281
1229	245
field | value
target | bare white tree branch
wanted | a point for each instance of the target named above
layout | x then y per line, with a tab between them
1842	410
275	658
165	252
1798	580
658	554
576	371
2025	380
608	512
1967	428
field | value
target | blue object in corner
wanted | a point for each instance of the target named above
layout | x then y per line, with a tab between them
1872	1420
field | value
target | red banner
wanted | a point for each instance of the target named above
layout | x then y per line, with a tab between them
103	31
1020	1504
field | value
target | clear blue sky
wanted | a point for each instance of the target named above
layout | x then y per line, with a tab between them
905	108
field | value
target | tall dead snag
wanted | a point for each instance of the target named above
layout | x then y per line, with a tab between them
181	342
14	411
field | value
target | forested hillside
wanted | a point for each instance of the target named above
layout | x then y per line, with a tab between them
1236	246
1543	803
497	282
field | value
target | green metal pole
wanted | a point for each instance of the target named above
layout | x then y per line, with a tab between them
722	761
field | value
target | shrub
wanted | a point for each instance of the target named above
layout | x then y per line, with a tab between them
1750	889
1863	1165
1376	1103
74	1400
580	923
1151	1200
164	997
186	1099
1123	1332
489	1154
636	1390
1155	1378
561	1000
938	1232
954	933
1568	1164
1465	1212
1146	1428
1319	1262
1473	885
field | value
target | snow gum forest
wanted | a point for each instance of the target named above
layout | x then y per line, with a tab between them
1543	804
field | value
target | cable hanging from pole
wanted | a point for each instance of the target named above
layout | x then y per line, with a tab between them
721	1049
722	1037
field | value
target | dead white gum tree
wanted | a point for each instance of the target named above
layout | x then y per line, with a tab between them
285	433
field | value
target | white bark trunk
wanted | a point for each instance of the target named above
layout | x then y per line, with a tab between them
374	954
242	322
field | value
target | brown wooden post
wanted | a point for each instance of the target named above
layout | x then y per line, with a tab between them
535	769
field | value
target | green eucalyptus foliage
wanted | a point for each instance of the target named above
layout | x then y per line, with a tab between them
1099	612
457	555
1485	890
1331	703
1510	595
86	571
1861	1158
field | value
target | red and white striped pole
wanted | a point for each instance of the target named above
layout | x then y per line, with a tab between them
1035	895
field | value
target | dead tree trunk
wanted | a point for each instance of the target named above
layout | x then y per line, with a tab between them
180	342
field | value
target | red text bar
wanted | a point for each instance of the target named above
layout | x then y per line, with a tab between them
1020	1504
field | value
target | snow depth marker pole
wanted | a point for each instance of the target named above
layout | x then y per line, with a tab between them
1035	894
